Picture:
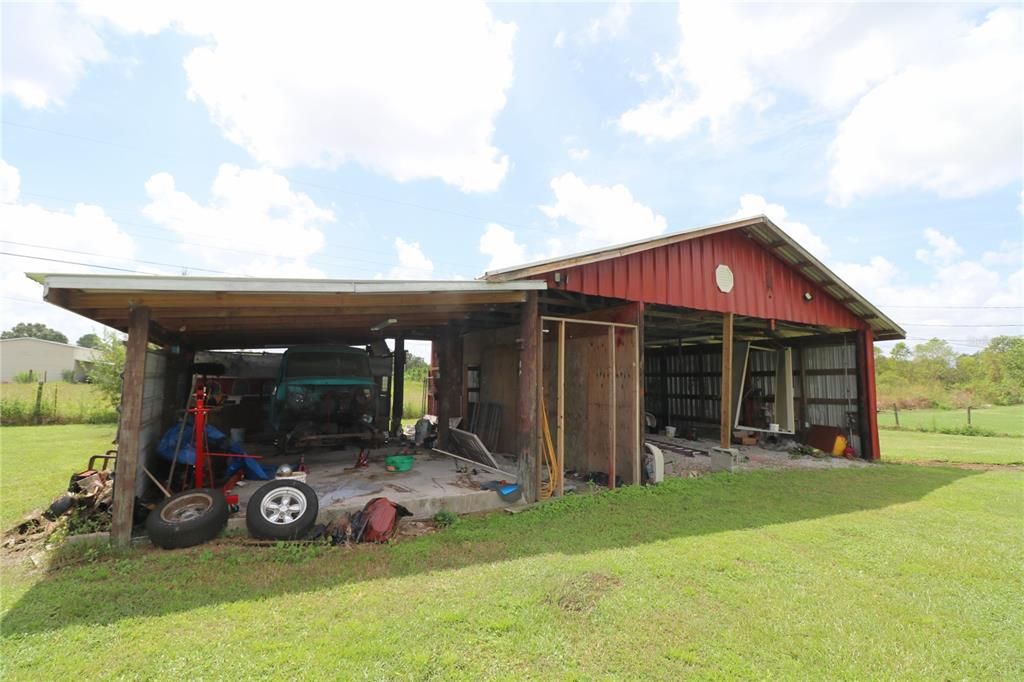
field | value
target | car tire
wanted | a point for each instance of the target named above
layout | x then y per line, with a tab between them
281	510
188	518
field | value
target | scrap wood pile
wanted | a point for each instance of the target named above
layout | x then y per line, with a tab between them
85	508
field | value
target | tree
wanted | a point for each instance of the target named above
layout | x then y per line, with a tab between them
416	368
90	341
106	371
901	352
34	330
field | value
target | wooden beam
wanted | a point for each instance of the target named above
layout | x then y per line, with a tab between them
639	336
276	300
726	421
527	426
234	312
612	435
398	387
560	417
129	433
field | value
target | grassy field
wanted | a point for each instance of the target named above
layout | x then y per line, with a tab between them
914	446
37	461
889	572
1007	420
62	403
412	403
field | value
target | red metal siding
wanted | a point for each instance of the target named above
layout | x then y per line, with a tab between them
683	274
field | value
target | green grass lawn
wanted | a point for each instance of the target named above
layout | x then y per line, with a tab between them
911	446
62	403
1001	419
37	461
885	572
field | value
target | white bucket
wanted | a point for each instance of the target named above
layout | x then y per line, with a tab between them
238	435
774	428
670	431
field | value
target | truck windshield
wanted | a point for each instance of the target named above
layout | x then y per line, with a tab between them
327	365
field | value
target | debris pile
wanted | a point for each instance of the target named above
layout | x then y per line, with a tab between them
85	508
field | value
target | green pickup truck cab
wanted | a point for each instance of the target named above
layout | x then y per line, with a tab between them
324	396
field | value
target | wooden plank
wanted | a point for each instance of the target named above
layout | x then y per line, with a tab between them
129	433
612	404
398	387
157	300
527	426
726	404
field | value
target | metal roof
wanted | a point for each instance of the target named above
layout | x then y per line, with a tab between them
243	312
761	230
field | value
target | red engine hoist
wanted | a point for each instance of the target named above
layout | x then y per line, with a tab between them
199	413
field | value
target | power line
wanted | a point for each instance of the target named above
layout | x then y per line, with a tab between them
135	260
72	262
955	307
943	326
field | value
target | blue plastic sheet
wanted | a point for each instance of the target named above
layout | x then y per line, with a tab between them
217	441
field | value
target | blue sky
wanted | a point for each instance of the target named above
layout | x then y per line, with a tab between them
423	142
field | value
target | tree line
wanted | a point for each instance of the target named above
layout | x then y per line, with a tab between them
933	374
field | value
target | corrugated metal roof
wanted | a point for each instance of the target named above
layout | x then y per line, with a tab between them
760	229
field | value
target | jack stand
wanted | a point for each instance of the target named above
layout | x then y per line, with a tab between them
363	460
302	463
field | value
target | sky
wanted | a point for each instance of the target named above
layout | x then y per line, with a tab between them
437	141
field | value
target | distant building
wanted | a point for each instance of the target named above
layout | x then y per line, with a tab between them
48	359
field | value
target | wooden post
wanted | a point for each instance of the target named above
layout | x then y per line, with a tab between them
726	435
398	387
896	414
641	392
801	358
968	413
128	443
612	435
868	403
527	428
560	417
450	388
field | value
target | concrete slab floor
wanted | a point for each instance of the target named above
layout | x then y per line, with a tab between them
753	457
434	483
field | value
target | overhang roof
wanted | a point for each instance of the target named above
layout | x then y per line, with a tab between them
760	229
243	312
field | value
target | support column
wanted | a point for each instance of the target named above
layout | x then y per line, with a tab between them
726	435
450	388
527	426
398	387
869	400
641	393
129	431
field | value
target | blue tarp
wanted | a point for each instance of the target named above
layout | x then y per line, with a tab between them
217	442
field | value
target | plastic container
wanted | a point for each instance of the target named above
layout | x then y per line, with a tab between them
840	446
238	436
670	431
398	463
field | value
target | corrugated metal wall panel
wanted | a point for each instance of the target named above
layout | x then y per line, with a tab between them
683	274
151	428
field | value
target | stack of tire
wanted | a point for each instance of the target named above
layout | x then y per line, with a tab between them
279	510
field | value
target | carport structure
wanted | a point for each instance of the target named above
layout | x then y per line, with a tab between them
733	326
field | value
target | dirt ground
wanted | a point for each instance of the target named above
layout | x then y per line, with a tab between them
685	457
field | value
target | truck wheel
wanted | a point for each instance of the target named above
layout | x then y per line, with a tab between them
188	518
281	510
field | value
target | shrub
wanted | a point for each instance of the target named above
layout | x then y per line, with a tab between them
24	377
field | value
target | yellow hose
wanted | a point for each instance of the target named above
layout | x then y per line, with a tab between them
550	458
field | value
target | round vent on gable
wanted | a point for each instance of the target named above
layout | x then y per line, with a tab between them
724	278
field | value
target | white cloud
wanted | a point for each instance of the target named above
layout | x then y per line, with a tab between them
60	235
925	96
46	48
579	153
605	215
941	249
250	211
409	91
1009	253
951	295
412	262
753	205
610	26
952	128
559	41
499	243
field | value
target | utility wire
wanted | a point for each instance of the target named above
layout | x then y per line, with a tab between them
135	260
72	262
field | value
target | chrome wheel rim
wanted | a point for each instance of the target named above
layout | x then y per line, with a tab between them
283	506
186	508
